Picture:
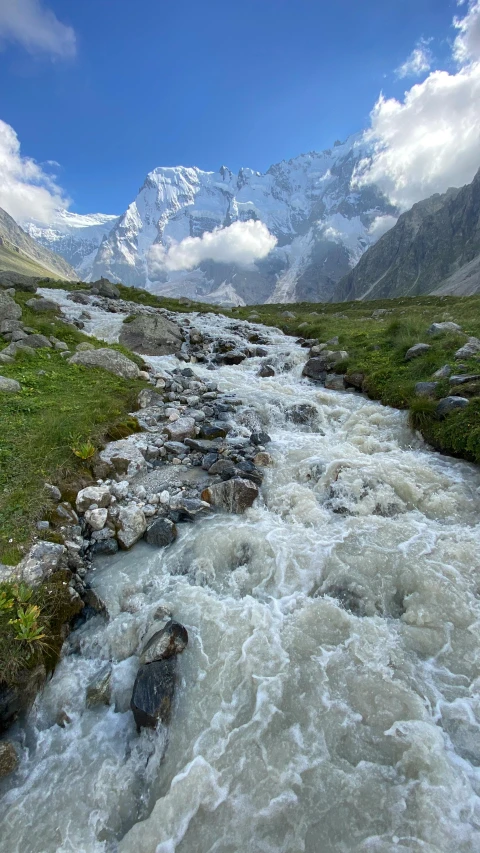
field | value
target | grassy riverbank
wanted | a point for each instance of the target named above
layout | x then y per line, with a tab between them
377	345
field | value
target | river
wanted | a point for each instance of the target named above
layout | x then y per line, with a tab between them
329	697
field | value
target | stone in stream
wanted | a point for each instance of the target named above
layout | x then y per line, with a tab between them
154	686
301	413
224	468
259	438
151	335
211	431
132	525
266	371
8	758
233	496
180	429
99	495
354	380
334	382
161	533
99	689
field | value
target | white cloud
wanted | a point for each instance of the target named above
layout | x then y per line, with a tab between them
430	140
419	61
239	243
36	28
26	190
467	43
380	226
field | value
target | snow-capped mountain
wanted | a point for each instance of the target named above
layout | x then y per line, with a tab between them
73	236
322	227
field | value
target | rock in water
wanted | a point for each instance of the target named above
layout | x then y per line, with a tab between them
154	686
151	335
107	359
8	758
132	524
161	533
233	496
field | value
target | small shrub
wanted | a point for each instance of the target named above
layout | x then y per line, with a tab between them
85	450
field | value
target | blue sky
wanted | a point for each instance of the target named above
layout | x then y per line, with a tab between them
157	82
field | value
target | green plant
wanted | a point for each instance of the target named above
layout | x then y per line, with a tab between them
26	625
6	601
22	593
85	450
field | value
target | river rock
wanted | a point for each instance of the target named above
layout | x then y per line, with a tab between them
441	328
263	459
450	404
96	518
161	533
334	382
107	359
211	431
426	389
180	429
233	496
132	525
99	495
125	457
416	351
99	689
471	348
8	758
302	413
9	310
223	467
9	386
151	334
153	693
354	380
148	398
266	371
171	640
104	287
259	438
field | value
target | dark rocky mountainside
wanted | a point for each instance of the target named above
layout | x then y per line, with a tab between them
22	254
433	248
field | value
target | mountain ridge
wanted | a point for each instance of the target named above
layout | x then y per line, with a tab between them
21	253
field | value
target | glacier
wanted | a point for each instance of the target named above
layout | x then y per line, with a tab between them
322	223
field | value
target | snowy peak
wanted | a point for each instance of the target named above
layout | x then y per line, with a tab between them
321	225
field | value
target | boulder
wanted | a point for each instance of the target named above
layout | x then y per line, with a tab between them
441	328
8	758
132	525
9	310
266	371
316	368
99	495
79	297
104	287
42	305
25	283
180	429
96	518
233	357
7	326
443	372
211	431
416	351
354	380
151	334
107	359
38	341
42	561
233	496
471	348
148	398
154	686
302	413
161	533
99	689
9	386
263	459
125	457
84	347
450	404
334	382
259	438
288	315
426	389
464	378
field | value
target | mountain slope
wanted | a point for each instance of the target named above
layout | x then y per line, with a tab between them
19	252
433	248
74	237
322	228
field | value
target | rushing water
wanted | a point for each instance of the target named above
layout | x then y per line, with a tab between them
328	700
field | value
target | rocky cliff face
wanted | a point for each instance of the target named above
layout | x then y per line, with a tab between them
433	248
21	252
321	224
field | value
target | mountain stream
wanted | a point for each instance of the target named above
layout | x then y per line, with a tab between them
329	697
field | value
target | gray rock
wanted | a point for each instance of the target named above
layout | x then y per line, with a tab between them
42	561
9	386
105	546
441	328
53	492
153	693
259	438
316	368
449	404
132	525
301	413
96	518
171	640
105	288
41	305
288	315
464	378
79	297
233	496
443	372
7	326
25	283
9	310
107	359
99	495
161	533
84	347
120	490
148	398
5	359
416	351
471	348
125	457
266	371
8	758
426	389
18	335
99	689
223	467
38	342
151	335
180	429
334	382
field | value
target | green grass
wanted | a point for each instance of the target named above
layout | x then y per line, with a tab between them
13	261
377	348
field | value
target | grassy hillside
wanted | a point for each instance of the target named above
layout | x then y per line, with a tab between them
16	261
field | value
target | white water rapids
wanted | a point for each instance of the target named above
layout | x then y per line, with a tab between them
329	698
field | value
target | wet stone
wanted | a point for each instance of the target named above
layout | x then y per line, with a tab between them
100	687
8	758
161	533
153	693
259	438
